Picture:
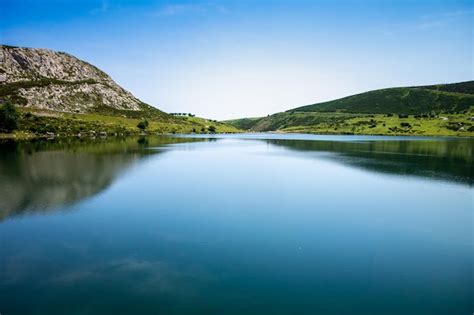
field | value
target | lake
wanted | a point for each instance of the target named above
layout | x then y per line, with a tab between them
237	224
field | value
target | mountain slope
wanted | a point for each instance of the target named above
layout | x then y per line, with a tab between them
405	100
57	81
57	93
444	109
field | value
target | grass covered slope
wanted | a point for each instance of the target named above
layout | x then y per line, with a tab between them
435	110
33	123
379	124
459	124
405	100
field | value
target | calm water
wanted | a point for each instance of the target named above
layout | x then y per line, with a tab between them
247	224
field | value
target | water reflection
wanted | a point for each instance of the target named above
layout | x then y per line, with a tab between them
448	160
237	227
41	176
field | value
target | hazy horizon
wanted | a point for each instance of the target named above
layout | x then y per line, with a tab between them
230	59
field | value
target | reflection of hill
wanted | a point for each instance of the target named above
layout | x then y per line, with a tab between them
41	176
443	160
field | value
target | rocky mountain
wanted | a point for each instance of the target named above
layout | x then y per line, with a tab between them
46	79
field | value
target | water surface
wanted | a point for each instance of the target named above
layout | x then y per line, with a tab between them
243	224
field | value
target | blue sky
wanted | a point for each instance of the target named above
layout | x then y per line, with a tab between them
228	59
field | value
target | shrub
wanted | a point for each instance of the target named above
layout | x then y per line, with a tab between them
8	117
212	129
142	125
455	126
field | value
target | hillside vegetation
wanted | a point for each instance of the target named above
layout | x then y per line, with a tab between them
409	100
33	123
444	109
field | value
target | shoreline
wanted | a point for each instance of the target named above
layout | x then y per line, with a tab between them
30	136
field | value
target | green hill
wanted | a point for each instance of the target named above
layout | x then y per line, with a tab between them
444	109
440	98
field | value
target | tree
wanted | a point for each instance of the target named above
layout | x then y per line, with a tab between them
143	125
8	117
212	129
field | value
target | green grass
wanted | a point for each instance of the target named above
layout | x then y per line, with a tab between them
244	123
460	87
369	124
40	122
405	100
284	120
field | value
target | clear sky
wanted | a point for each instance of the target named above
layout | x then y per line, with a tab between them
229	59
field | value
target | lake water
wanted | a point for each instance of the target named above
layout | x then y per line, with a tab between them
242	224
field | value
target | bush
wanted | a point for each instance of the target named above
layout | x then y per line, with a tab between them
455	126
143	125
212	129
405	124
8	117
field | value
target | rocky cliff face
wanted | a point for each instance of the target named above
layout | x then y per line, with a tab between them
45	79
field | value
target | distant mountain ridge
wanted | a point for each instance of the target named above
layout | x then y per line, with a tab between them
50	80
453	97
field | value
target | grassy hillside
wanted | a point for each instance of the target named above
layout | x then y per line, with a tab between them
281	121
244	123
443	110
34	123
405	100
461	87
459	124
